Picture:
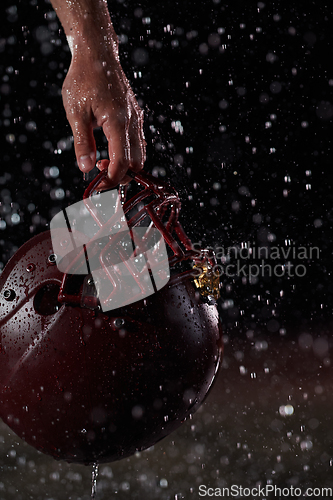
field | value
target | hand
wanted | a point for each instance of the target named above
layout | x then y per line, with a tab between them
96	92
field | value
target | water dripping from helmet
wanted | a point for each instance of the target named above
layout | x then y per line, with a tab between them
94	475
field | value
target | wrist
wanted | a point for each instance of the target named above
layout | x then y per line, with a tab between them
87	24
94	41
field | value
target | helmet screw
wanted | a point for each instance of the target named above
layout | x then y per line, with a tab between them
90	281
119	322
52	258
9	294
31	267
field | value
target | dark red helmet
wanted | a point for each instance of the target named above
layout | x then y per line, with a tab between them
89	384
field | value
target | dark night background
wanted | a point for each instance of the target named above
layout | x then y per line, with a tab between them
238	117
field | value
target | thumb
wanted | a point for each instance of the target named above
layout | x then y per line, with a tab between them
84	142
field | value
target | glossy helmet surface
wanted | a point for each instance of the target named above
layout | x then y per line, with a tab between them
89	386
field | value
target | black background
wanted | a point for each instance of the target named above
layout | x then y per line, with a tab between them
251	87
251	84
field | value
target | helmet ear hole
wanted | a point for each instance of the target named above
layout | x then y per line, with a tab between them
46	299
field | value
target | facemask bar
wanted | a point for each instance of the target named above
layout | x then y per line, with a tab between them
165	198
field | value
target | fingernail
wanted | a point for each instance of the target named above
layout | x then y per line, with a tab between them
86	162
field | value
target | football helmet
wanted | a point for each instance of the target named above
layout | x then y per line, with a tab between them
89	382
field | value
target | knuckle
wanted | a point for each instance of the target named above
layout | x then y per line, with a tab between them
116	119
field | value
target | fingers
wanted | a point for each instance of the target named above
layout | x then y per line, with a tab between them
84	143
137	142
108	183
102	164
80	120
126	147
115	130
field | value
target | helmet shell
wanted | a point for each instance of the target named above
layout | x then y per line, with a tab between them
90	387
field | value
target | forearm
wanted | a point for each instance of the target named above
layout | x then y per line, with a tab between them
86	23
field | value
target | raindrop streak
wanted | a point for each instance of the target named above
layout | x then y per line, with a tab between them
94	475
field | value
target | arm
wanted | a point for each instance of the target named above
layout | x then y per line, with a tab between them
96	91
